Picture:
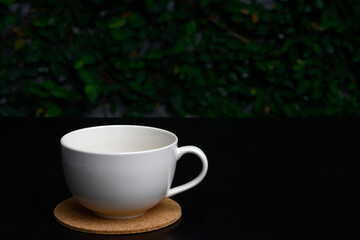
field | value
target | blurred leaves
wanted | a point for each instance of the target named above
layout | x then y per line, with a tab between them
19	43
116	22
6	2
197	58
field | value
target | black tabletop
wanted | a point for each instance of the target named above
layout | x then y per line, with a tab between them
267	178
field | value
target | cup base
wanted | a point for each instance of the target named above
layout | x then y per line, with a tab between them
117	217
72	215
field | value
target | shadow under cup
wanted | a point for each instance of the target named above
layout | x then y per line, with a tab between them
119	171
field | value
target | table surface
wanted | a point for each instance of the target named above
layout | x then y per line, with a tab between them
284	178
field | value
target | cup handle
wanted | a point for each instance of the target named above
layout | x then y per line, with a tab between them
197	151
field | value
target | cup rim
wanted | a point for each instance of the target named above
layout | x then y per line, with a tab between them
64	144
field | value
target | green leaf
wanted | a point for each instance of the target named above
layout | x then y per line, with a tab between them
85	76
180	46
334	88
287	110
117	34
33	56
222	24
53	111
233	76
52	21
352	86
191	70
152	7
303	86
87	58
237	18
37	91
135	85
137	64
330	110
205	57
176	101
116	22
59	92
20	43
120	65
89	88
48	84
129	45
316	94
155	55
166	17
78	64
191	27
63	29
201	82
13	74
40	23
91	93
10	20
6	2
203	3
136	22
140	76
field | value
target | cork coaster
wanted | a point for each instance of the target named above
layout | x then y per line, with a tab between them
74	216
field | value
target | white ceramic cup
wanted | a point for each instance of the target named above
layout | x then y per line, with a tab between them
121	171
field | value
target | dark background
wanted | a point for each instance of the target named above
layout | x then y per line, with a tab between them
268	178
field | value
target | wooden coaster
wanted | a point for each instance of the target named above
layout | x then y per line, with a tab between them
72	215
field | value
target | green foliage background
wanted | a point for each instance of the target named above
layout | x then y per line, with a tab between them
201	58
